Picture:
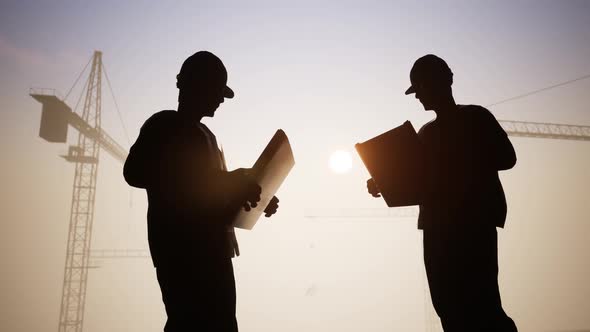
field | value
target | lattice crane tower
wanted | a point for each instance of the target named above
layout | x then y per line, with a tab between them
55	118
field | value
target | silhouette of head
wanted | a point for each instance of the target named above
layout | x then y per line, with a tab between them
431	80
202	82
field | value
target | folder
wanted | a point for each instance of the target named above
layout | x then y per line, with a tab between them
395	161
269	171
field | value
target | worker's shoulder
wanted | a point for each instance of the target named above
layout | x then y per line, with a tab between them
171	124
162	120
479	116
163	117
476	111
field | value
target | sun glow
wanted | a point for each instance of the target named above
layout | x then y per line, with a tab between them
341	161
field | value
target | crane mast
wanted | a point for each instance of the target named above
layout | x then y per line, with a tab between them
85	156
55	118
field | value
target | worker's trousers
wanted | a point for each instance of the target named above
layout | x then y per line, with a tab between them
462	270
200	296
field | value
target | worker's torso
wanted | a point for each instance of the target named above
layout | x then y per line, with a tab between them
460	189
177	234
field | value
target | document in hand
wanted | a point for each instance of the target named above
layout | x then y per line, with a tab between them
270	170
395	161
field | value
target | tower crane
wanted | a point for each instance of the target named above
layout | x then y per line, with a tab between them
56	117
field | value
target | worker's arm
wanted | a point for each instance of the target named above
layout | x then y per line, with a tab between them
145	156
497	150
175	167
201	186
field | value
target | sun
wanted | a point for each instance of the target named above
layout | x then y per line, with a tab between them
341	161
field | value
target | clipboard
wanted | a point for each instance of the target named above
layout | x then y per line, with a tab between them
269	171
395	161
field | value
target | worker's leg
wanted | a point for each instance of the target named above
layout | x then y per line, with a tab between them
462	269
202	299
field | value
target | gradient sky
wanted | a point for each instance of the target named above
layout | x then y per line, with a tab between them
330	74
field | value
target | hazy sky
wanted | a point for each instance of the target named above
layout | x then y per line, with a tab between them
330	74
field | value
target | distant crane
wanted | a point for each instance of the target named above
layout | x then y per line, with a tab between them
56	116
546	130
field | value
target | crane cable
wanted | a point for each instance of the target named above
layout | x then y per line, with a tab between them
77	79
538	90
82	93
104	70
116	105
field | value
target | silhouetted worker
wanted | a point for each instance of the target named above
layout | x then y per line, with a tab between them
192	198
462	202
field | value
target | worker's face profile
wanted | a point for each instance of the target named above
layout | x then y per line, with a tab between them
210	97
204	98
430	93
424	95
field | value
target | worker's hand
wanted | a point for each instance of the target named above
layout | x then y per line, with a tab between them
272	207
372	188
247	190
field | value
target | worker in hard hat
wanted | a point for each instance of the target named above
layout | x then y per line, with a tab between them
192	199
462	202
